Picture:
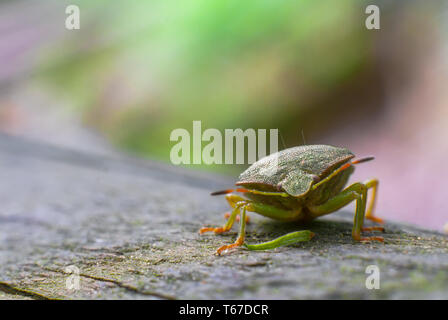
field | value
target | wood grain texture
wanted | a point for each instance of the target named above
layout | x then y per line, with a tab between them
130	227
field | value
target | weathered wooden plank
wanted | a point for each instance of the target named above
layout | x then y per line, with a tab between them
130	228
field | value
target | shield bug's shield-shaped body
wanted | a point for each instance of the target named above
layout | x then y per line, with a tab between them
299	184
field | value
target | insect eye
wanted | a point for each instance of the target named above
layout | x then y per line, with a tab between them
316	178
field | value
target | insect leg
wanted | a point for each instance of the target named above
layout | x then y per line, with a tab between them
361	189
228	224
290	238
372	184
227	216
372	229
233	199
241	235
358	192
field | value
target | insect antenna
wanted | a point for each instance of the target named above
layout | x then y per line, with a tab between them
362	160
220	192
303	137
348	164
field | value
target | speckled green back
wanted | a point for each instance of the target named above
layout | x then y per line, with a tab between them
297	168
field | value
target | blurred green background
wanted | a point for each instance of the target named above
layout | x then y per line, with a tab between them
147	67
136	70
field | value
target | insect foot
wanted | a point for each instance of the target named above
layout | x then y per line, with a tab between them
224	248
212	229
373	229
375	219
370	239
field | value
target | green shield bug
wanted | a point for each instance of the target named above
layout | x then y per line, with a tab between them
299	184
